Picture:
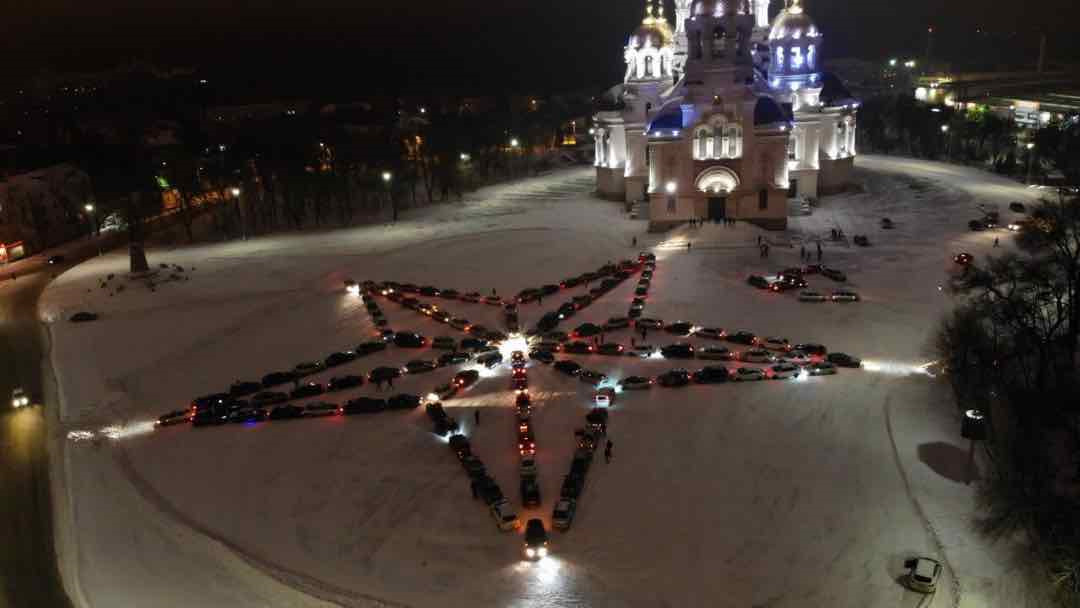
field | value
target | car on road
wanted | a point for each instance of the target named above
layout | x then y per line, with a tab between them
174	417
566	311
276	378
756	355
811	349
742	337
406	339
642	290
449	294
339	358
209	401
536	539
715	353
712	374
530	492
308	389
679	350
843	360
318	409
744	374
286	412
781	371
923	574
1017	207
242	388
527	466
364	405
787	283
633	383
963	259
568	367
493	300
808	295
756	280
383	374
460	323
242	413
340	383
473	344
712	333
977	225
649	323
19	398
572	486
844	295
679	328
775	343
504	515
453	358
269	398
562	516
604	397
590	377
466	378
210	416
675	377
616	323
543	356
429	291
821	368
833	274
582	301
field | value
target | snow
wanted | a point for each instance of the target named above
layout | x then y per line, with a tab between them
769	493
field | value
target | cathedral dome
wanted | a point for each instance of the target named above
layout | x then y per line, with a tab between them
708	8
793	24
654	31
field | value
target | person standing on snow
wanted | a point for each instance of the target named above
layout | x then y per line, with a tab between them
476	417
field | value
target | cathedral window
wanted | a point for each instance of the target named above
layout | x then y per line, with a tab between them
702	145
796	57
780	57
810	56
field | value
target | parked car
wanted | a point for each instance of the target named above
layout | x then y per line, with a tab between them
368	348
241	388
775	343
923	574
466	378
787	283
403	401
276	378
530	492
811	296
308	389
843	360
572	486
742	337
56	259
675	377
616	323
679	328
543	356
174	417
318	409
758	281
490	359
631	383
796	357
444	343
591	377
473	344
504	515
963	259
977	225
383	374
209	401
844	295
577	347
811	349
649	323
711	375
713	333
286	412
782	371
269	398
527	466
419	366
720	353
340	383
83	317
756	355
679	350
821	368
405	339
562	516
339	358
744	374
210	416
833	274
609	348
570	368
536	539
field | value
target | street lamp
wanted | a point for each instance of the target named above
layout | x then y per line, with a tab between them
948	141
892	63
514	143
235	192
386	178
1031	155
88	207
671	187
465	157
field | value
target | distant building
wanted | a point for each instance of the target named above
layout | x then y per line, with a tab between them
41	208
1032	99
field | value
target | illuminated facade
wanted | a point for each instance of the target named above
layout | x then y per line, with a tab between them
723	115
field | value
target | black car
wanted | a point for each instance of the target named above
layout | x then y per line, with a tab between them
286	412
210	416
586	330
811	349
56	259
566	311
787	283
843	360
530	492
833	274
758	281
174	417
83	317
403	401
406	339
242	389
567	367
269	398
543	356
490	359
473	343
339	358
460	445
308	389
577	347
207	401
490	492
977	225
548	322
466	378
340	383
571	282
711	374
679	328
429	291
364	405
276	378
742	337
449	294
453	358
675	377
547	290
679	350
609	348
369	347
382	374
536	539
572	486
247	413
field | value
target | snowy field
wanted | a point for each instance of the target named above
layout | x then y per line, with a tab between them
805	493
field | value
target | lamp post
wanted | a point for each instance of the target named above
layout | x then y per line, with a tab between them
1031	155
387	177
235	193
89	209
671	187
948	141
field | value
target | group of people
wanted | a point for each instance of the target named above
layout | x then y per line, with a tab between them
804	255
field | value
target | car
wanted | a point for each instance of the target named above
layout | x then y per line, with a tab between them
821	368
834	274
609	348
339	358
562	516
548	321
210	416
649	323
286	412
581	301
524	412
308	389
711	374
83	317
449	294
843	360
675	377
403	401
19	398
56	259
276	378
543	356
1017	207
490	359
572	486
493	300
808	295
590	377
923	574
756	280
368	348
242	388
208	401
587	330
556	336
174	417
679	350
598	416
383	374
787	283
408	288
519	372
616	323
429	291
713	333
471	296
639	303
527	466
405	339
577	347
453	358
460	445
844	295
774	343
742	337
549	289
570	368
811	349
527	295
744	374
460	323
567	310
244	414
756	355
604	397
716	353
796	357
646	256
466	378
634	383
977	225
269	398
473	344
887	224
963	259
419	366
679	328
641	290
781	371
526	444
530	492
340	383
444	343
536	539
504	515
364	405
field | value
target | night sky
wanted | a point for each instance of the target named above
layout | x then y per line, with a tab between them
473	45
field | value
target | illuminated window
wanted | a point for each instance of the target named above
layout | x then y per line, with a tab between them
796	57
810	56
671	203
780	56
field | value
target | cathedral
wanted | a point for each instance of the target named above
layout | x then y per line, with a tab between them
725	116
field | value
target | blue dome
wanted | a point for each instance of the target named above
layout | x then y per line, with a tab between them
767	112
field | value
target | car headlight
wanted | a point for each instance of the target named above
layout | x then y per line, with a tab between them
542	552
530	552
15	403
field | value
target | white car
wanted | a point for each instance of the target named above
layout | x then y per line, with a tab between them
781	371
527	468
776	343
744	374
811	296
504	515
756	355
797	357
821	368
715	353
604	397
923	574
649	323
634	383
844	295
714	333
19	398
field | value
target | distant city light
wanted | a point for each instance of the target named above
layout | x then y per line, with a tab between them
387	176
235	192
514	143
465	157
944	128
88	207
892	62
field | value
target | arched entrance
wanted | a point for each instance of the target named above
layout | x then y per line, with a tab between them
716	183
